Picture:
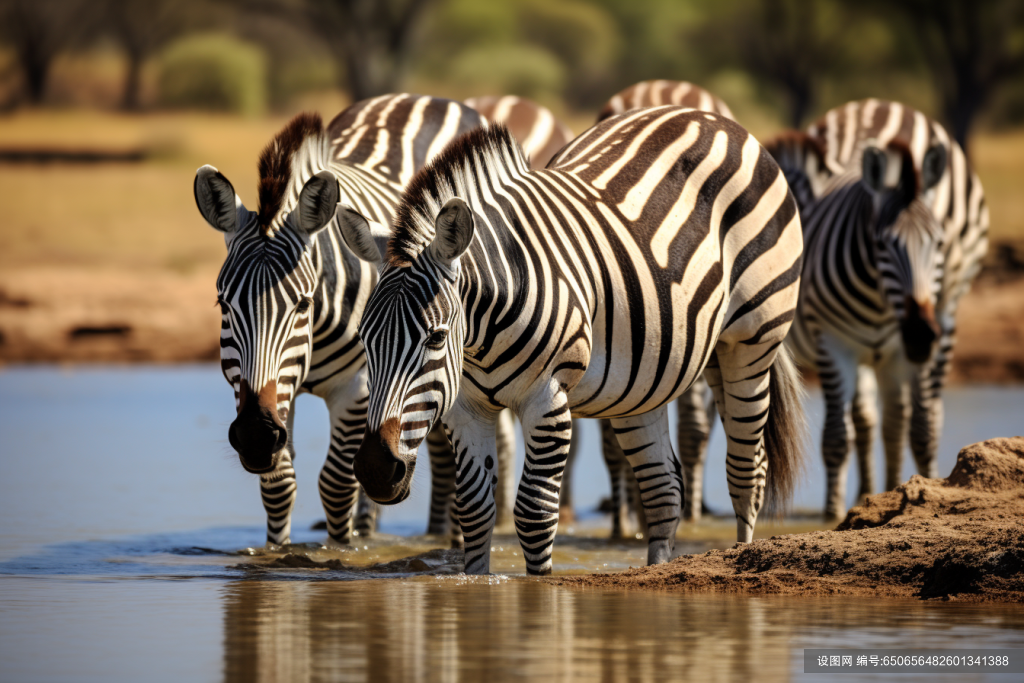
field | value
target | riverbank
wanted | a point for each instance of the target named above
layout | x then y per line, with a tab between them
959	538
82	314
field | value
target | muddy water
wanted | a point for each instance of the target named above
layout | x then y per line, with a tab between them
131	550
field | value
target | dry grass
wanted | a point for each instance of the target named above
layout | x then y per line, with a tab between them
143	215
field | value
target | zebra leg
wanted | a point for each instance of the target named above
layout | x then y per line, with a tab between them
894	382
837	369
547	430
504	496
865	418
742	399
338	486
693	431
646	443
566	509
927	411
472	436
366	515
615	462
442	482
278	488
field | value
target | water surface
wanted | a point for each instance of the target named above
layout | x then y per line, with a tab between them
124	556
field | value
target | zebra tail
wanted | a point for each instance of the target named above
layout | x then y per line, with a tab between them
785	433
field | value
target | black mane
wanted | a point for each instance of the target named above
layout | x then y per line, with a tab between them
275	164
441	179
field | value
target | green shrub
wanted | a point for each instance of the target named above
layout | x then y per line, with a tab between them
291	78
522	70
214	72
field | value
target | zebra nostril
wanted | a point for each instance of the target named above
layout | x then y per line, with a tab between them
281	440
399	472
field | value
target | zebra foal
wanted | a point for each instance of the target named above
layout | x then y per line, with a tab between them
658	244
291	294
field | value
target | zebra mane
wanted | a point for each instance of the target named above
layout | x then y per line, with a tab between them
455	172
300	150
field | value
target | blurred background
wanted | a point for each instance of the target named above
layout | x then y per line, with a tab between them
107	107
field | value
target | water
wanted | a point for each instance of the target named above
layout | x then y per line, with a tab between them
126	510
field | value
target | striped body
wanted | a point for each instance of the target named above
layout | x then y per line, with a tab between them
695	409
864	285
292	294
540	134
658	93
658	244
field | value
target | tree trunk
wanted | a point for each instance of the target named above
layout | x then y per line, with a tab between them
132	81
799	103
36	67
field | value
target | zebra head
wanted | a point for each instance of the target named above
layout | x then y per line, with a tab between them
413	328
267	286
908	238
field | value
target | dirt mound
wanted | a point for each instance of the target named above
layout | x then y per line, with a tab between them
956	538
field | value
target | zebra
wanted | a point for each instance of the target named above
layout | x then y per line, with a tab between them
658	244
892	243
291	294
695	409
538	131
657	93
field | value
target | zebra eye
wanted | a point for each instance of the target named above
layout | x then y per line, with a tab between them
224	309
303	306
436	339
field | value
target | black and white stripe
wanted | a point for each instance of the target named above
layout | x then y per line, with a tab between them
659	244
292	294
537	129
892	243
695	409
658	93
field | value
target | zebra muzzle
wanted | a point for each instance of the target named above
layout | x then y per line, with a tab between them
919	330
257	434
383	474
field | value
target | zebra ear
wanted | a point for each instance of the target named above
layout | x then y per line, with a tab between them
216	199
365	238
317	202
874	165
933	166
453	231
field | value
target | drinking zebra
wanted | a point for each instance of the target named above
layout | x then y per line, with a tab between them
659	243
291	294
658	93
892	244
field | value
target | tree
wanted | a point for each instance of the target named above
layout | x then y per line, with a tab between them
971	47
141	28
39	30
789	43
371	38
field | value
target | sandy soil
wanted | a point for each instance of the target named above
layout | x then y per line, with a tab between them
959	538
121	315
80	314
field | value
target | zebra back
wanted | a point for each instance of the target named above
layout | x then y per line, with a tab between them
396	135
657	93
538	131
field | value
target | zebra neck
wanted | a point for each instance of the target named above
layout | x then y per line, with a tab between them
494	281
840	248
